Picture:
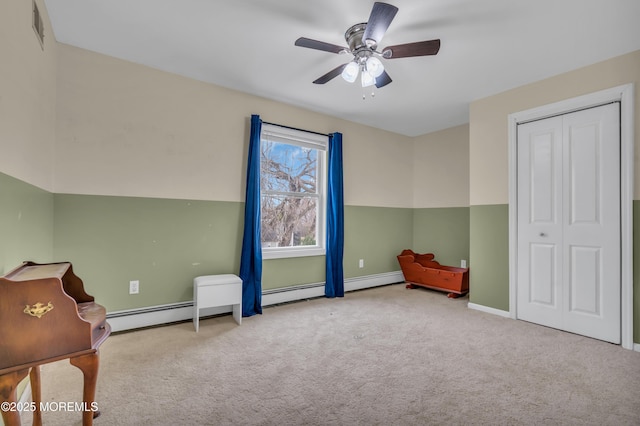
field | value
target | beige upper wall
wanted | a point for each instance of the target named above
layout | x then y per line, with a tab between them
441	168
489	172
75	121
27	95
126	129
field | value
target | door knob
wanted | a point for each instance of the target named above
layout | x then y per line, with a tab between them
542	234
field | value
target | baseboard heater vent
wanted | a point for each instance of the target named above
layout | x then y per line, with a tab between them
150	309
292	288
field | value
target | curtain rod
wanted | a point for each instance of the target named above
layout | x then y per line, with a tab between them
295	128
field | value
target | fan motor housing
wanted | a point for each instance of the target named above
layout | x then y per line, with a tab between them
353	36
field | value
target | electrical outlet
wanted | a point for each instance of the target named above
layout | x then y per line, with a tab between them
463	263
134	287
361	263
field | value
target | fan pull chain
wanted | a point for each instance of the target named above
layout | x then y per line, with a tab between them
364	95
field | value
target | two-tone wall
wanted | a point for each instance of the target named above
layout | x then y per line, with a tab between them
27	136
489	175
139	174
441	195
149	182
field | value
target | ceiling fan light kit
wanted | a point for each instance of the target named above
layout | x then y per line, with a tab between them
374	66
350	72
363	40
367	79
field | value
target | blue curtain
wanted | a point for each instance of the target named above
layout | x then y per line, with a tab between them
251	258
334	286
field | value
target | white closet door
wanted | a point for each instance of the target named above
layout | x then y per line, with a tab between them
540	222
569	222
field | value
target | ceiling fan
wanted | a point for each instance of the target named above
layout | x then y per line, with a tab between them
363	40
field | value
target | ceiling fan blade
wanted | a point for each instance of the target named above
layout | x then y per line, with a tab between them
330	75
381	16
319	45
419	48
383	80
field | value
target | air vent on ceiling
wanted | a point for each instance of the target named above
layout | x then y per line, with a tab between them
38	27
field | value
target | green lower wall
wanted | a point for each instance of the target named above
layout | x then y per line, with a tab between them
444	232
286	272
376	235
163	243
26	223
489	259
489	256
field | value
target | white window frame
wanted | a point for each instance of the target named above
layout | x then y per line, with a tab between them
275	133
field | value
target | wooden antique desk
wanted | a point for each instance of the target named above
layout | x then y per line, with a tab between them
46	316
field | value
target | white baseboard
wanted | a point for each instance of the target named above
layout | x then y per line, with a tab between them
489	310
636	347
175	312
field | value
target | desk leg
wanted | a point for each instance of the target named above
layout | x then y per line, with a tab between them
88	364
8	384
36	394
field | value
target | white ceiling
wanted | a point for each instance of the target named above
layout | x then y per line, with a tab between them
488	46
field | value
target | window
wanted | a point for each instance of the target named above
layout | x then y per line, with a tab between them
292	191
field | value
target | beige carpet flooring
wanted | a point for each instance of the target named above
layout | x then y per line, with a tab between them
382	356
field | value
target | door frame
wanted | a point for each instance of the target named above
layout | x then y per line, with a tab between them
624	95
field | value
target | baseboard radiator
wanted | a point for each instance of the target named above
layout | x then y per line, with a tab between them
176	312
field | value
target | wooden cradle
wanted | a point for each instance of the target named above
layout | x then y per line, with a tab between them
421	270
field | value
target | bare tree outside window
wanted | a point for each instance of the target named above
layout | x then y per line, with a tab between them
289	194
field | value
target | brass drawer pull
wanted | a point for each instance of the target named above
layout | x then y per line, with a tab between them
38	310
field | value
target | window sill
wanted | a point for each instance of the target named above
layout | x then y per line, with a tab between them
275	253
